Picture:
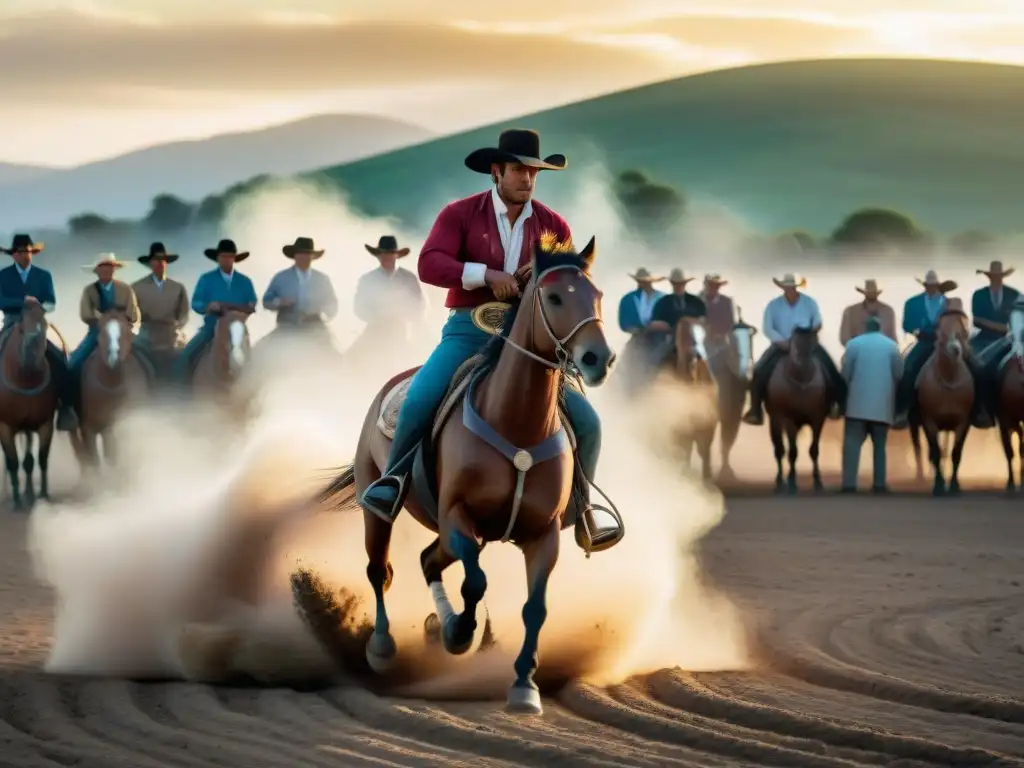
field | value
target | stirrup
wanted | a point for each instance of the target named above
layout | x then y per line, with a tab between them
588	544
399	499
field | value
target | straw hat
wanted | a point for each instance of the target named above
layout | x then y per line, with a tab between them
931	278
642	275
677	277
713	278
995	269
789	280
870	288
104	260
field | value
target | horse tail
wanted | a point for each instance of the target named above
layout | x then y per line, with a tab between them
343	483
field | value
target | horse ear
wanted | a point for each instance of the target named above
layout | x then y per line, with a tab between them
588	254
540	258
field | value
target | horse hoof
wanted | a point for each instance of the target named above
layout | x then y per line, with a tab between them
523	700
780	487
432	629
381	652
454	644
938	490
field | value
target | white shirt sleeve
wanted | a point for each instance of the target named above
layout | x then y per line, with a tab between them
473	275
768	324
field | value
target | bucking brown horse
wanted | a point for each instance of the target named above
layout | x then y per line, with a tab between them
112	377
221	364
945	398
28	400
485	494
797	396
1010	399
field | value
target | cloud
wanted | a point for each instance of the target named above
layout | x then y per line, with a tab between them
85	59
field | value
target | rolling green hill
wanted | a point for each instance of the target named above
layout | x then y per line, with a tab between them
796	144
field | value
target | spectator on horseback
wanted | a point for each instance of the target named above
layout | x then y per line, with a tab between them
721	313
99	297
856	316
783	315
991	308
217	290
163	306
389	299
23	281
480	249
637	307
302	297
671	308
920	317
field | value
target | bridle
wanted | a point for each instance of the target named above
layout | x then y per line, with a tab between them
563	358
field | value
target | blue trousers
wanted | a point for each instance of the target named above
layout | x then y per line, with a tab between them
85	348
185	358
460	340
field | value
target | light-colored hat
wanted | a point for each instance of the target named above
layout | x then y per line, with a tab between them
677	277
931	277
789	280
104	259
713	278
870	288
642	275
995	268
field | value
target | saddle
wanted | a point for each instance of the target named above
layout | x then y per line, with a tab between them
424	471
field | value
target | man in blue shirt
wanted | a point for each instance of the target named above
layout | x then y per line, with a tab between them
920	318
23	280
217	290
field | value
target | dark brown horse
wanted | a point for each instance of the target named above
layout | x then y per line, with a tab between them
484	495
797	397
1010	400
112	377
945	398
28	400
222	362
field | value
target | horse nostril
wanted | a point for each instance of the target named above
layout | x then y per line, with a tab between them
589	358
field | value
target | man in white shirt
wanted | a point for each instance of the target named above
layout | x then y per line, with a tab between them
303	297
782	316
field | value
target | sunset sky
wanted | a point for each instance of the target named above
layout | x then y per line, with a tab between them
94	78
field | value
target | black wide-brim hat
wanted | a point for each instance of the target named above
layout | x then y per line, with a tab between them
302	245
226	246
388	244
516	145
23	243
159	252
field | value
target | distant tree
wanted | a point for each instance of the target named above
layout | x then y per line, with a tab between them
211	210
88	224
973	241
804	239
879	227
649	209
169	214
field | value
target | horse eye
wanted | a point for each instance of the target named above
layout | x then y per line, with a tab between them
555	299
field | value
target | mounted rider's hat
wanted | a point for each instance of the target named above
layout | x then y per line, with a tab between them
226	246
159	253
302	245
388	244
995	269
870	288
642	275
104	260
789	280
678	277
713	278
931	278
23	243
516	145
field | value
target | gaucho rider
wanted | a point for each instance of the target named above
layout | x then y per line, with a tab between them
21	282
163	304
991	308
920	317
103	295
478	249
303	297
217	290
782	316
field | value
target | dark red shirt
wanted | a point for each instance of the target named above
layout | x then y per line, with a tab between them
466	231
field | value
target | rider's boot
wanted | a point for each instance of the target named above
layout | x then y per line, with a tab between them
755	415
589	536
386	495
67	411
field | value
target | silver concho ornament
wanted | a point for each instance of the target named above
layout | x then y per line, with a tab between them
522	461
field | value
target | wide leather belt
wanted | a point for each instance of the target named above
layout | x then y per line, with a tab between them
488	316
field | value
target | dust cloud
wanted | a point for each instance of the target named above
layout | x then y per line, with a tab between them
177	564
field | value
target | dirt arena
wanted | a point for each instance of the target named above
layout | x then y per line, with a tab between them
888	632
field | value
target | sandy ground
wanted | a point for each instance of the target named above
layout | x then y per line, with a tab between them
887	633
